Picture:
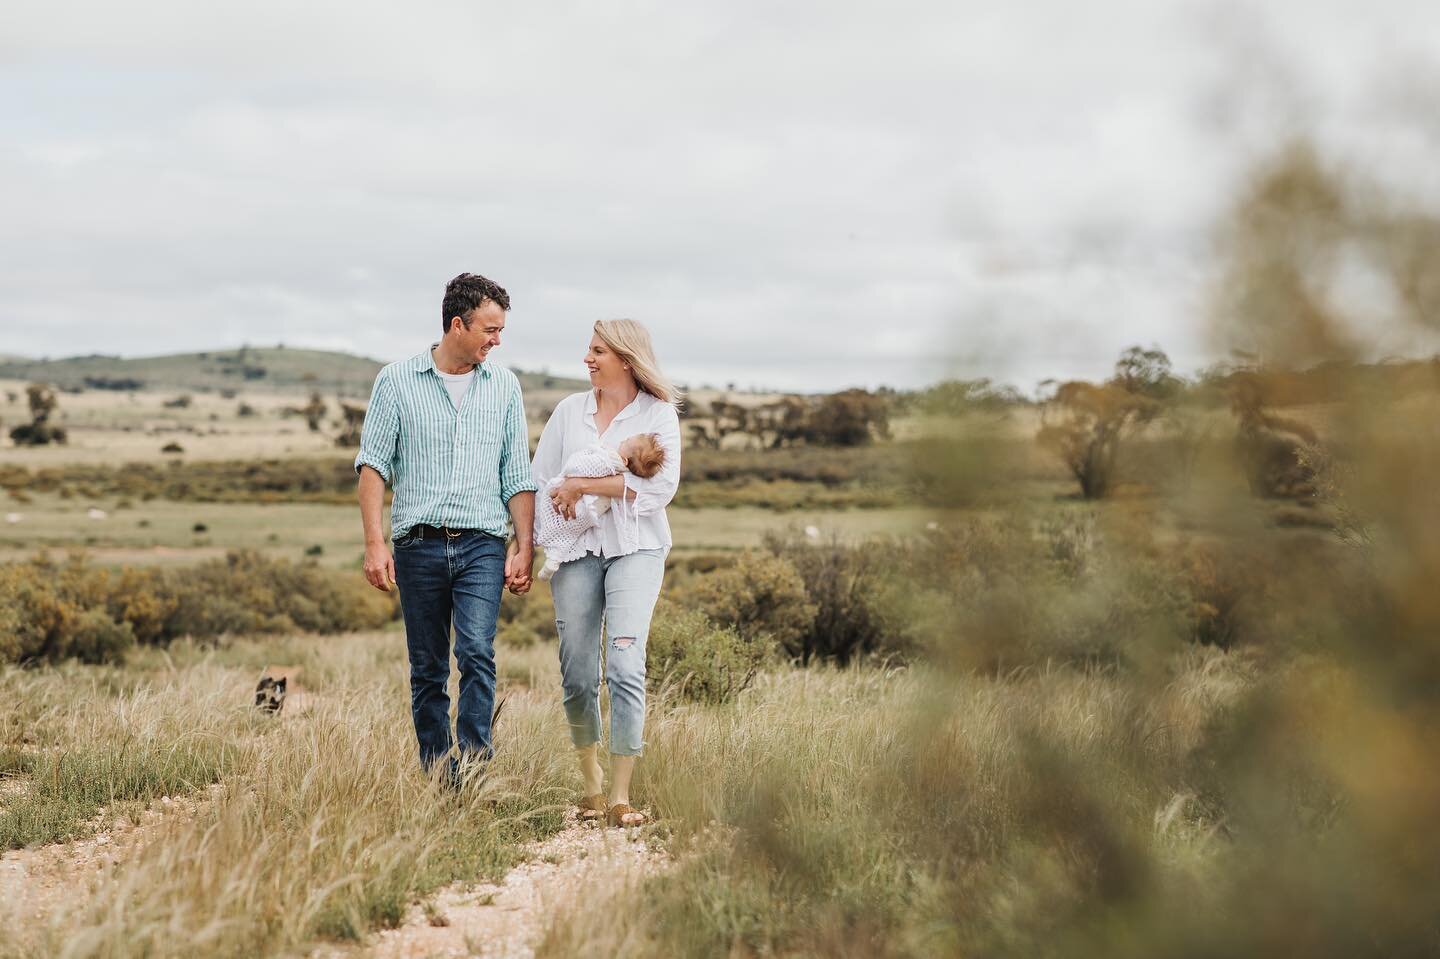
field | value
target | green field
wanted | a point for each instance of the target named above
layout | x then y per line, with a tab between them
159	531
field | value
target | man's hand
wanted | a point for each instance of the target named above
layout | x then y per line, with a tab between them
379	566
566	495
518	562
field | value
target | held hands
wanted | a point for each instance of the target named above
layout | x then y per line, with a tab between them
518	562
379	566
566	495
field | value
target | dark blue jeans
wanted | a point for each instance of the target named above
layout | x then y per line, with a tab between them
445	578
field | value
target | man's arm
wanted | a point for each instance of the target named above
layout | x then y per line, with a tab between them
379	563
517	489
379	438
521	558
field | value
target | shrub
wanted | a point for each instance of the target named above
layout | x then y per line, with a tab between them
841	581
51	611
702	661
762	593
96	638
37	434
526	620
848	418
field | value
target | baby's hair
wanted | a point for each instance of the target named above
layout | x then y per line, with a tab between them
647	460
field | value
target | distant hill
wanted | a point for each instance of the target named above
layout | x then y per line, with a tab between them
249	368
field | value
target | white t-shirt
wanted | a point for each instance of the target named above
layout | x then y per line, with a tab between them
572	427
456	384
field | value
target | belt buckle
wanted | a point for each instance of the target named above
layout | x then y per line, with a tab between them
449	534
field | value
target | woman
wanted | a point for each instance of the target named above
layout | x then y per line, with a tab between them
617	580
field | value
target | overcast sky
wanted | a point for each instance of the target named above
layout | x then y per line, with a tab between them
798	196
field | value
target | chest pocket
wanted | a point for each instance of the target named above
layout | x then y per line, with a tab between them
430	426
482	425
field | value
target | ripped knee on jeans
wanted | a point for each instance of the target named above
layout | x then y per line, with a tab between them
622	642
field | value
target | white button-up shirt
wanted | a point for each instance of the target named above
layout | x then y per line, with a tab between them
637	524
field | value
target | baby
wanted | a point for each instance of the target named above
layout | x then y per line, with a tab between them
640	454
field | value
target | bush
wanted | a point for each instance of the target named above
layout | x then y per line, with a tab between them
842	582
226	481
51	611
762	593
527	620
702	661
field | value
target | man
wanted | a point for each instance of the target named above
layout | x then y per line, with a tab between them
447	430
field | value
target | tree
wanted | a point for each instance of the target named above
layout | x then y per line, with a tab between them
782	422
1272	449
1085	424
728	418
314	412
1146	373
43	403
354	421
849	418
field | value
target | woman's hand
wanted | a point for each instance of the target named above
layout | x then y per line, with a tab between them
519	559
566	495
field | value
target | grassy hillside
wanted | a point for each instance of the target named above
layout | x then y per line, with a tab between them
248	368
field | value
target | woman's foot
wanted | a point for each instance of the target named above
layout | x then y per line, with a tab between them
593	808
625	815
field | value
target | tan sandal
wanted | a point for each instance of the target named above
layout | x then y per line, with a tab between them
619	811
593	808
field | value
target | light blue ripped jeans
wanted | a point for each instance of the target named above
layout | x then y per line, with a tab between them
618	592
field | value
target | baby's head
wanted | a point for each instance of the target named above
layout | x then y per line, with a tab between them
643	454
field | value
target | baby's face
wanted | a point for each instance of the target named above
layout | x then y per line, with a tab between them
629	447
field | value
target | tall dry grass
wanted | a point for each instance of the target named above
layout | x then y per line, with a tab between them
867	812
324	827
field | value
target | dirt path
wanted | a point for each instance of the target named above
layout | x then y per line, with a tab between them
35	882
506	920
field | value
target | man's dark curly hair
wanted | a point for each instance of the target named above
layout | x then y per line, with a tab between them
465	293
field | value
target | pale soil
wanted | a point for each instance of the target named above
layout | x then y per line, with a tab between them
499	920
36	883
506	920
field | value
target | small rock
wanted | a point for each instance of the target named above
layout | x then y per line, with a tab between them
94	513
13	517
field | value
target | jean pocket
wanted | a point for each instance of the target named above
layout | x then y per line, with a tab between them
405	541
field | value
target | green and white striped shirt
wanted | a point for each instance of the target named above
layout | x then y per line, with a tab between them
448	468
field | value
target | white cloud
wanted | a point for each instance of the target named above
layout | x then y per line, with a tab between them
807	196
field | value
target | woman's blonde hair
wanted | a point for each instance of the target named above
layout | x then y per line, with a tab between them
631	342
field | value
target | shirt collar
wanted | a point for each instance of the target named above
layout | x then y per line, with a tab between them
592	406
424	362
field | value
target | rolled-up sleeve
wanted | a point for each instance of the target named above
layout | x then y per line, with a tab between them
515	453
654	494
379	437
